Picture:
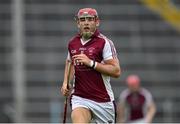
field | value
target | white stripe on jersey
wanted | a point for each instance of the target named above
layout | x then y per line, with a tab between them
106	80
109	50
68	56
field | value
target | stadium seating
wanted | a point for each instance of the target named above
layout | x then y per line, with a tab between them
146	44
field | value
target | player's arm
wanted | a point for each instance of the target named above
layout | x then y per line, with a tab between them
68	62
120	113
64	89
109	67
150	112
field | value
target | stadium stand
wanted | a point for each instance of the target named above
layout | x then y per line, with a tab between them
147	45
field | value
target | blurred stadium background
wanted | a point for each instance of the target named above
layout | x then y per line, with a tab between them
33	40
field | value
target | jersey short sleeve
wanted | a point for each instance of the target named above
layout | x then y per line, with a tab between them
68	56
148	96
109	51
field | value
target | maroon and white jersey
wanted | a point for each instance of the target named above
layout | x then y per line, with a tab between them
90	83
135	103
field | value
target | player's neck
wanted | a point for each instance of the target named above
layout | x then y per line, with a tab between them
85	39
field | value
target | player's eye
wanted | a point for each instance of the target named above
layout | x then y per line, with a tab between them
90	18
82	19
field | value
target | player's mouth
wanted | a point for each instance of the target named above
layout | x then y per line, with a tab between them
86	28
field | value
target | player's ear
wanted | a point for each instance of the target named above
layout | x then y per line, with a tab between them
78	25
77	22
97	22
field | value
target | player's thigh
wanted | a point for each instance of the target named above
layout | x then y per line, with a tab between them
81	115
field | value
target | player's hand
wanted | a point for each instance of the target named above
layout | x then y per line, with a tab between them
65	90
81	59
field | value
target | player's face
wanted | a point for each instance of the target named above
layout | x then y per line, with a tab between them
134	88
87	25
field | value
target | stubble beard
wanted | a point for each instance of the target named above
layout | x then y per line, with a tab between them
87	35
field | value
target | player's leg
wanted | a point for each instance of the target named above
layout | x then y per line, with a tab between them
108	110
81	115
